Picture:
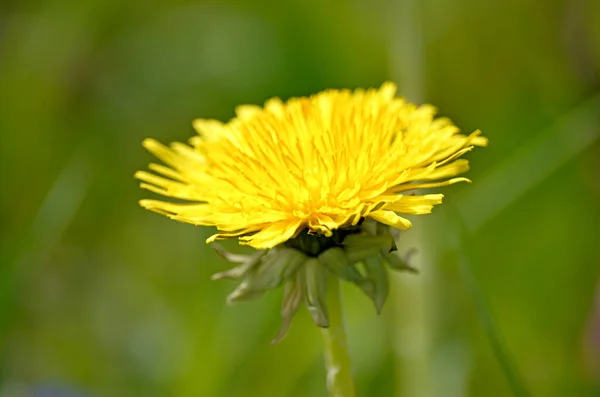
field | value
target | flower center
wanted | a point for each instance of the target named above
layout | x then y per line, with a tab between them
314	244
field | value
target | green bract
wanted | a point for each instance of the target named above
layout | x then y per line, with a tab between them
358	255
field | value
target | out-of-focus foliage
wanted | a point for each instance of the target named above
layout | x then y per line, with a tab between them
101	298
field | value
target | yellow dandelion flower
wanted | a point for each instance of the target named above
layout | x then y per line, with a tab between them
318	164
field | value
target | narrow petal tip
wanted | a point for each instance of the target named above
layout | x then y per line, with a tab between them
150	142
388	89
149	204
479	140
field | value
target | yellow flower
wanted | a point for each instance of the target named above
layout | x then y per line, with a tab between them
318	164
315	185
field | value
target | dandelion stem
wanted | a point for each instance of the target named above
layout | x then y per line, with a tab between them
337	358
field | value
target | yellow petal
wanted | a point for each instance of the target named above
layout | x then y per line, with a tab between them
414	186
390	218
447	171
415	205
168	187
210	129
247	111
272	235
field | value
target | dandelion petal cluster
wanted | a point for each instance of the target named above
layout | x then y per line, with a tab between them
317	163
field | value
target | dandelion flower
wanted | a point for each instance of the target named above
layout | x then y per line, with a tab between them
312	181
320	163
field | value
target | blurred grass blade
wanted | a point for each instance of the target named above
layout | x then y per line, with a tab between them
499	347
64	197
54	215
531	164
570	135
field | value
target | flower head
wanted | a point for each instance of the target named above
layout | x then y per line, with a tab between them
316	164
315	184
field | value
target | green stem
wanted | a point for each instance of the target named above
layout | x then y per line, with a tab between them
337	359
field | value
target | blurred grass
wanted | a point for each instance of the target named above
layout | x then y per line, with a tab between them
100	297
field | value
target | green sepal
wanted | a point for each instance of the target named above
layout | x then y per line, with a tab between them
362	246
292	295
273	269
382	230
370	227
231	257
312	278
248	262
376	273
393	247
398	263
336	261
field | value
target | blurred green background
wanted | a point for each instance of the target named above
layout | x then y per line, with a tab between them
101	298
